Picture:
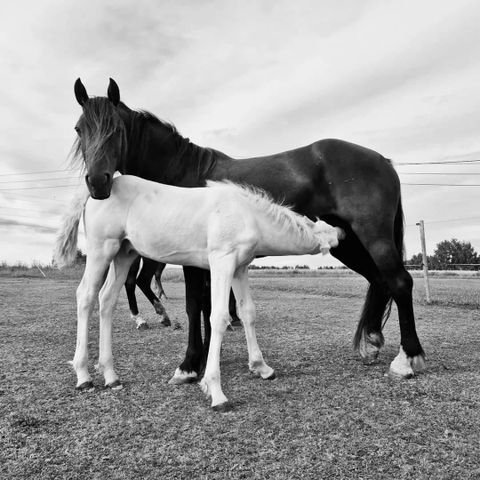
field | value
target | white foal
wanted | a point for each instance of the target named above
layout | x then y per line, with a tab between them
221	228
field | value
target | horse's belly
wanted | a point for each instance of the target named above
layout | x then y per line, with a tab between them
165	245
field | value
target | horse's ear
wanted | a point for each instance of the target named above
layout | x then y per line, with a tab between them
80	93
113	92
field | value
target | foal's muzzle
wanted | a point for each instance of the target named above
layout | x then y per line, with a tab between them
99	185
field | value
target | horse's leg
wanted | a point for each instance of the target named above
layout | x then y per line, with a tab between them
399	282
192	365
108	298
158	280
144	282
232	308
222	268
87	291
246	308
369	337
130	284
206	312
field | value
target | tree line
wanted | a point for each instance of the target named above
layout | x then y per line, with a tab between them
449	255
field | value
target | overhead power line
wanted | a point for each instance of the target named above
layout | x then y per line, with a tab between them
41	180
42	172
443	184
451	162
39	188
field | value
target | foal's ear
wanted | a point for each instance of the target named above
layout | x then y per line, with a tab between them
113	92
80	93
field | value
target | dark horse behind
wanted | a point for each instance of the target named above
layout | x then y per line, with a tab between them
341	183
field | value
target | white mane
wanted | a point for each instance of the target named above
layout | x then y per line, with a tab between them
282	215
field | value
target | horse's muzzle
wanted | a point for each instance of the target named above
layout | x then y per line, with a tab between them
99	185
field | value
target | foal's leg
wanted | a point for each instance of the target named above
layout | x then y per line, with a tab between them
144	282
108	298
222	269
246	308
130	284
87	291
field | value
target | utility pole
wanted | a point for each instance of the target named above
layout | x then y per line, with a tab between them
424	259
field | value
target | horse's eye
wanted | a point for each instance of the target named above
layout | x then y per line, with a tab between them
77	130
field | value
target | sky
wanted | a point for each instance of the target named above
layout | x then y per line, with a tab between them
248	78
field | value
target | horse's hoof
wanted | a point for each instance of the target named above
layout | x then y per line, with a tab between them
236	322
370	359
143	326
418	363
116	385
183	378
223	407
85	387
272	376
393	375
166	322
230	328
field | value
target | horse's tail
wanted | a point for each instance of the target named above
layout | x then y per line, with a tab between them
67	237
379	301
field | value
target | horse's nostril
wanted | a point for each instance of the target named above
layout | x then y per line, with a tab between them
107	178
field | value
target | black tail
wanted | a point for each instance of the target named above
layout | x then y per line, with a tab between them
378	303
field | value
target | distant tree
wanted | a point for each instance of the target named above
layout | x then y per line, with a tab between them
454	251
416	260
447	254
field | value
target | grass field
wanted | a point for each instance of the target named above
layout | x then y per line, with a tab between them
326	416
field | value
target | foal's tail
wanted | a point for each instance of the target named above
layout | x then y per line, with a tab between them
378	302
67	237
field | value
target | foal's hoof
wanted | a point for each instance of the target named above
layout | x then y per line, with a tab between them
85	387
143	326
223	407
116	385
272	376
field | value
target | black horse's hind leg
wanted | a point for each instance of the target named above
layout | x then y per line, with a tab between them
144	281
130	284
368	338
158	280
400	284
194	361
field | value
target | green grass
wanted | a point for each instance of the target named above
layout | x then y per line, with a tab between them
326	416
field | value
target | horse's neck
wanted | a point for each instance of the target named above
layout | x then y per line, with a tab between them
165	156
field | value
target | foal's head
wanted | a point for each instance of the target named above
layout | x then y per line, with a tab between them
101	138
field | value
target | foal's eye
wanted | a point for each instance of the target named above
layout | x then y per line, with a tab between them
77	130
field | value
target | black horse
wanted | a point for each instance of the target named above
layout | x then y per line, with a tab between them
344	184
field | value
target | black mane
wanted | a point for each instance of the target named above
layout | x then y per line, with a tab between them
179	161
153	148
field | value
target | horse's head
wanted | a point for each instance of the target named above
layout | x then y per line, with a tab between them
101	138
